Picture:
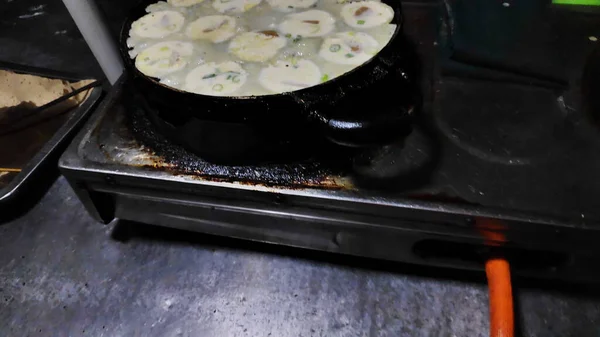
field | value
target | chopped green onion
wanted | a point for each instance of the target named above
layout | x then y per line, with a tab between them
209	76
288	35
297	39
361	22
233	76
335	48
349	55
164	48
217	87
325	78
291	7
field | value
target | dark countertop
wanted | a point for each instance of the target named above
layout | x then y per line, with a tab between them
41	33
61	273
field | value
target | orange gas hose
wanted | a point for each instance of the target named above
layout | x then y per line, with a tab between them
501	301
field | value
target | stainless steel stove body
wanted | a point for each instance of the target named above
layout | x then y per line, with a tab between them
427	200
116	177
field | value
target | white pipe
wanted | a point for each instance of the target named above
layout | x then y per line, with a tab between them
89	21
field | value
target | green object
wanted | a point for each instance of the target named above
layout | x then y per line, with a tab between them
577	2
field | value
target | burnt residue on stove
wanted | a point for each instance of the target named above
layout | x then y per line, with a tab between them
299	173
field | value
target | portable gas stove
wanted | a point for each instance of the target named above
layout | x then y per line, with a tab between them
519	154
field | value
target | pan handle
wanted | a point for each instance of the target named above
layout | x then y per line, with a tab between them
378	115
384	128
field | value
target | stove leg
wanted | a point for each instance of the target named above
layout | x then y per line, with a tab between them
100	206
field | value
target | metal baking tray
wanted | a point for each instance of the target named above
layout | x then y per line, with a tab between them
36	175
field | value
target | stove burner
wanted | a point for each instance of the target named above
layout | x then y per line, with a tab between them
512	125
405	164
295	167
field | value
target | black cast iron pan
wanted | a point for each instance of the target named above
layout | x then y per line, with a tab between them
370	105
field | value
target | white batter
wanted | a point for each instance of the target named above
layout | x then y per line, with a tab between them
184	3
234	6
164	58
215	79
353	48
158	24
311	23
255	47
291	75
367	14
215	28
290	5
